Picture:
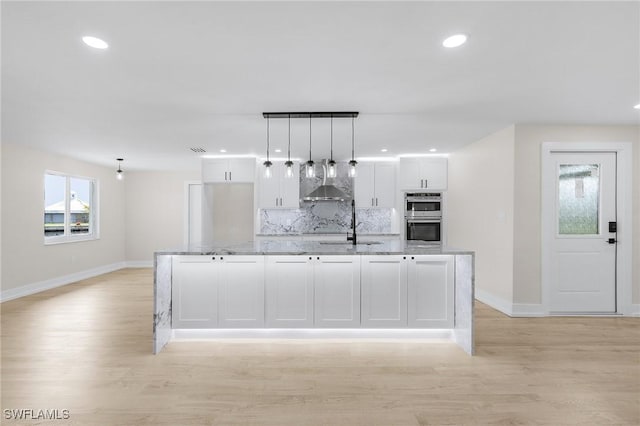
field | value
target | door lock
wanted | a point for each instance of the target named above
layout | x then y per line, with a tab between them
611	241
613	227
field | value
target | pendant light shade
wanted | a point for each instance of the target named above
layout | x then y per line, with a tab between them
288	165
119	172
331	165
310	166
267	164
353	163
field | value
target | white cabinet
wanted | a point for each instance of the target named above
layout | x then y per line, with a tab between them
194	292
375	185
228	170
423	173
384	291
217	291
336	291
279	191
241	292
289	291
430	291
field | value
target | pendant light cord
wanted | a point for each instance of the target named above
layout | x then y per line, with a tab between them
331	154
268	119
309	137
289	149
352	142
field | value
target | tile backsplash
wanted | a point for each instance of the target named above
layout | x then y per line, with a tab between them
324	217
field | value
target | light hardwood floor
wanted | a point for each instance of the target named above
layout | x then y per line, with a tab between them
86	347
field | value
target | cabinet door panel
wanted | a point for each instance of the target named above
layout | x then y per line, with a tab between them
215	171
434	172
364	186
430	291
337	291
242	170
384	291
194	292
385	185
241	292
410	173
268	189
289	291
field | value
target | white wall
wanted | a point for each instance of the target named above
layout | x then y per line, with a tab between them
527	221
155	212
480	200
25	258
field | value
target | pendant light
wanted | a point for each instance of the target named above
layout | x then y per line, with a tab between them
119	172
353	163
310	172
331	169
288	170
267	164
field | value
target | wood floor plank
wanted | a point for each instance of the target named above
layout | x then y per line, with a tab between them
86	347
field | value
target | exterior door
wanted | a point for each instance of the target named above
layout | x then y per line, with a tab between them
583	248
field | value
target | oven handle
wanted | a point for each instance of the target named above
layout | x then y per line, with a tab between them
409	221
423	200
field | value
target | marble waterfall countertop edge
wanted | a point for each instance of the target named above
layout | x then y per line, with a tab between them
296	247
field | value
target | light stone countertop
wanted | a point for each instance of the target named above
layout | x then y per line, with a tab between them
297	247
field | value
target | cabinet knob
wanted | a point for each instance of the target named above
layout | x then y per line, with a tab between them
213	258
412	258
221	257
318	258
310	258
404	257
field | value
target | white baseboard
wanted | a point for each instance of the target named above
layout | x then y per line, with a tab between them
528	310
634	310
495	302
186	334
37	287
139	264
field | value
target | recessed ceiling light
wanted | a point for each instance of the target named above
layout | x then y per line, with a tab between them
637	106
278	150
432	150
384	150
455	40
95	42
223	150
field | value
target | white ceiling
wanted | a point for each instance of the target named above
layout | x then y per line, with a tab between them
199	74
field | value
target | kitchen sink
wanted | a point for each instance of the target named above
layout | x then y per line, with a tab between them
342	243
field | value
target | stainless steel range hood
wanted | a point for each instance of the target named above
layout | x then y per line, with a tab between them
326	192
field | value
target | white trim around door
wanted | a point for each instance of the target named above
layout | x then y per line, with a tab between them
624	202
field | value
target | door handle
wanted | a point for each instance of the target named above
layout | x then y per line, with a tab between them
426	185
229	175
280	202
372	202
225	175
421	183
611	241
376	201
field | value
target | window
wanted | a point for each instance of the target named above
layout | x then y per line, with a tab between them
70	208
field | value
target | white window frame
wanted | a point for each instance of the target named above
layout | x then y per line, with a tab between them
94	218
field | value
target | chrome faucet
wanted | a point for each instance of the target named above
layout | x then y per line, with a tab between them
352	238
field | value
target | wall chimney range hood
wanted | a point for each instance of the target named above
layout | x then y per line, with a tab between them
326	192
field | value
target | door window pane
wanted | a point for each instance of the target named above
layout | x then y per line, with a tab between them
54	204
578	199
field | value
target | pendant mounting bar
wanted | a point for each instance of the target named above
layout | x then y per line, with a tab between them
323	114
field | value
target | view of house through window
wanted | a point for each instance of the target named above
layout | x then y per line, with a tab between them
68	206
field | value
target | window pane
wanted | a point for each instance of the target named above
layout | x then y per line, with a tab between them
54	202
578	199
80	206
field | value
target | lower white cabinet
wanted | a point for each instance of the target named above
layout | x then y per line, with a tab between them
241	292
336	281
384	291
194	292
332	291
289	291
430	291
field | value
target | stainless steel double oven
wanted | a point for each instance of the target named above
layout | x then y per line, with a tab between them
423	217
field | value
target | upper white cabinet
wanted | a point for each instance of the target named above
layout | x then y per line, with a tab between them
384	291
423	173
375	185
289	291
336	282
279	191
228	170
194	292
430	291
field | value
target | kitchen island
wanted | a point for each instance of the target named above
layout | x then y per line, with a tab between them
314	289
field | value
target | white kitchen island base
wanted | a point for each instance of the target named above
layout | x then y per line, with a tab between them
306	290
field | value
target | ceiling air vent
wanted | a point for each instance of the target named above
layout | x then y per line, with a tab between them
198	150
